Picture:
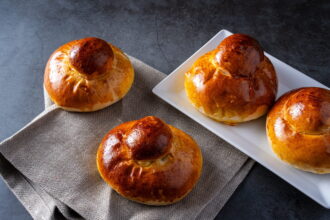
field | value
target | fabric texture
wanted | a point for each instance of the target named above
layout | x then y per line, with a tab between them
50	164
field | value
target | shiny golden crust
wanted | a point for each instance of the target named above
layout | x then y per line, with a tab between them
87	75
298	129
149	162
233	83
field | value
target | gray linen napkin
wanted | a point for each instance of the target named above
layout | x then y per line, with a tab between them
50	164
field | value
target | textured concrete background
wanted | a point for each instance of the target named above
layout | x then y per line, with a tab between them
163	35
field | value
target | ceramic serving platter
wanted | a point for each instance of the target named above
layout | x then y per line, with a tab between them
250	137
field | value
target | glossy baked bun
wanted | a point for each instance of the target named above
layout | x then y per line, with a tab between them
298	129
233	83
87	75
149	161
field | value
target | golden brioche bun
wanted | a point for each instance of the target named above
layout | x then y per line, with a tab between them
87	75
298	129
234	82
149	161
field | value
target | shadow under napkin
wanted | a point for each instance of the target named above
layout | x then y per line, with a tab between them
57	152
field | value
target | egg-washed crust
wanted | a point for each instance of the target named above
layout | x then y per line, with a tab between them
76	91
231	84
159	181
298	129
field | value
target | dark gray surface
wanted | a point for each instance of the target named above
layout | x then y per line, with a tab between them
162	35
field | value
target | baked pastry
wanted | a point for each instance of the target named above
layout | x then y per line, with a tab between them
87	75
233	83
149	161
298	129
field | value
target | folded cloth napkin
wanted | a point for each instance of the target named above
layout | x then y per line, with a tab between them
50	164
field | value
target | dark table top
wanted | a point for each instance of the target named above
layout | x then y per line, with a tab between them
162	34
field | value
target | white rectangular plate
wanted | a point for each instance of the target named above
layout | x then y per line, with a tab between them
250	137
